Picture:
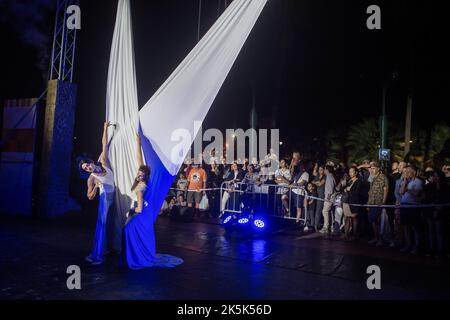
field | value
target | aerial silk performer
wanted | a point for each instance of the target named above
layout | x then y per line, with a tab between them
190	92
140	246
101	179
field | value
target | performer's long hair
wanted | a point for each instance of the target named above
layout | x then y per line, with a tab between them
146	171
90	162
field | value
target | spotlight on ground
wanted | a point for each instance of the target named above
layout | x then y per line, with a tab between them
243	221
259	224
227	218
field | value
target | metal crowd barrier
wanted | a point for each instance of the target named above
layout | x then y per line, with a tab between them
238	197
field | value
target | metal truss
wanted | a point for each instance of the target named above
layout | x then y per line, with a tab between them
64	44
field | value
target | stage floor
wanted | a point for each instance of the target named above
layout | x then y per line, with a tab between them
218	265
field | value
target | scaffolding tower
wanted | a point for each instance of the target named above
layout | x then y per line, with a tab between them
64	44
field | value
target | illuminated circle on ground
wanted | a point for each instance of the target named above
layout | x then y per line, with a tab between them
259	223
227	219
243	221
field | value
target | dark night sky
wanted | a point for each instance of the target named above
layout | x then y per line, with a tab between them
312	64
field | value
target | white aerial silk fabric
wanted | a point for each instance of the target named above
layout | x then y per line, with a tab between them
122	111
183	99
189	92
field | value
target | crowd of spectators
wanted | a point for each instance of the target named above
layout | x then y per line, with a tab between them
383	205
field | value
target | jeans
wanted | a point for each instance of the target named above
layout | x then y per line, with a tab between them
318	213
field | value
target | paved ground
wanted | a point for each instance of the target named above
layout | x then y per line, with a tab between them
34	256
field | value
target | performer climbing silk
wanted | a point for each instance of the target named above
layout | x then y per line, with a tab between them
139	234
101	178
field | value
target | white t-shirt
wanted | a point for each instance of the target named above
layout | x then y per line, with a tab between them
287	175
301	190
182	183
213	160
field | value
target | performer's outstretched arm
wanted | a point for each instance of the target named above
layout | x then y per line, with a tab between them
104	155
139	157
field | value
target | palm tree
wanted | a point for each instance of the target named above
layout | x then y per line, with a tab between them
439	136
363	141
439	149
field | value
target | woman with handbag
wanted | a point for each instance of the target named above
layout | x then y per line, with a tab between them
351	195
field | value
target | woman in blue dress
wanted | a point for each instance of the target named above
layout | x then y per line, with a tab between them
101	178
139	234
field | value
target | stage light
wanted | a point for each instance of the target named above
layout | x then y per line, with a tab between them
227	219
243	221
260	224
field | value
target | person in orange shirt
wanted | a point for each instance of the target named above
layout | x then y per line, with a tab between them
196	182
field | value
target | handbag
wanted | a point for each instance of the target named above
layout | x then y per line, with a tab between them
385	228
337	199
204	203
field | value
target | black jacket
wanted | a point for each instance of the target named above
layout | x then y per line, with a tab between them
230	176
355	195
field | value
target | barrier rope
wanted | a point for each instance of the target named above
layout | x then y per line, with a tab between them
406	206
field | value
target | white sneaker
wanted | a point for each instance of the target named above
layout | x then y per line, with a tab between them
324	230
306	229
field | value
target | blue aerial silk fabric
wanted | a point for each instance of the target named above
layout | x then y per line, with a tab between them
139	233
100	244
191	89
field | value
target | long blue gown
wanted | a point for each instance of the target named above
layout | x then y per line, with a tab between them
106	199
100	244
139	233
